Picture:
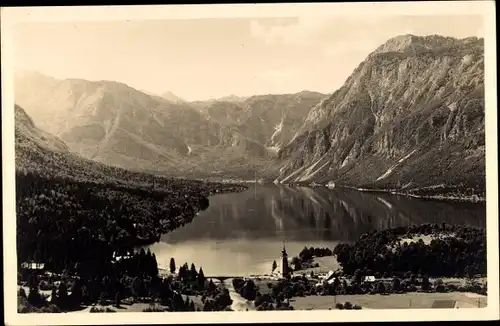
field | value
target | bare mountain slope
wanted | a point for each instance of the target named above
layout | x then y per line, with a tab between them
115	124
171	97
410	116
270	120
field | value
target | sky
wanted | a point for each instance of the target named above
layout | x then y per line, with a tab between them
199	59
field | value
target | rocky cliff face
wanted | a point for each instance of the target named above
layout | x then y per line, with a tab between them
270	120
410	116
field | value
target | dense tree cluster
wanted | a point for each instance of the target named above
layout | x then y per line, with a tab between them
135	279
246	288
305	258
218	299
454	251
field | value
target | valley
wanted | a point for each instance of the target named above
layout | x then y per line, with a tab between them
409	119
114	185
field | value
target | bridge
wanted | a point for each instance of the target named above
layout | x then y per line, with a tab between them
223	278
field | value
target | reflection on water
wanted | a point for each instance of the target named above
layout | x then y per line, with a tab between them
242	233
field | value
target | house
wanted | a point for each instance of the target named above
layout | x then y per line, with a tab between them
369	279
328	276
121	257
330	281
30	268
33	266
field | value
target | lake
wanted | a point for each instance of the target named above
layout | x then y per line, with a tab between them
242	233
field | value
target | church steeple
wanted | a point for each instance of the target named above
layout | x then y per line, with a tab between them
284	262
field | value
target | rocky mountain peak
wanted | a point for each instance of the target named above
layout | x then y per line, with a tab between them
409	43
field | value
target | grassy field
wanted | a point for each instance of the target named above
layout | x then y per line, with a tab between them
326	264
392	301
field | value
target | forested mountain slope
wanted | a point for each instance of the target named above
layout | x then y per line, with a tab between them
66	205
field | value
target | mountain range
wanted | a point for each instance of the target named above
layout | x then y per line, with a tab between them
409	118
116	124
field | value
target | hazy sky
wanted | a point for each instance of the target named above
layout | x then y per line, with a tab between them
207	58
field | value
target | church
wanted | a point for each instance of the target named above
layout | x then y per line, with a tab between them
283	268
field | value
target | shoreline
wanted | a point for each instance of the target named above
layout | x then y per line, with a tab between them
440	197
473	199
141	241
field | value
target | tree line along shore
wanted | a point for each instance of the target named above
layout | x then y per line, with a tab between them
136	279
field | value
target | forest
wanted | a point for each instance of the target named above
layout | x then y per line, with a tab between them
77	225
453	251
77	216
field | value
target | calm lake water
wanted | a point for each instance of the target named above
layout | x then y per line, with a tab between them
242	233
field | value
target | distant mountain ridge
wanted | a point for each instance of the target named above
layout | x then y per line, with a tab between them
171	97
232	98
115	124
410	117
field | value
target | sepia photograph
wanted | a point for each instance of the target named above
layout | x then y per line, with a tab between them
250	163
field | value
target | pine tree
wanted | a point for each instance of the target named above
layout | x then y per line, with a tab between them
102	299
193	273
211	285
117	299
201	277
22	293
154	266
32	282
172	265
185	273
62	293
34	297
53	297
76	293
182	272
274	266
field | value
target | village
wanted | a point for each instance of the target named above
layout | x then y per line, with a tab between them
314	279
289	286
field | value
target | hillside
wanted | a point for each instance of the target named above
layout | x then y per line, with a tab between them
231	98
60	196
410	117
110	122
115	124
